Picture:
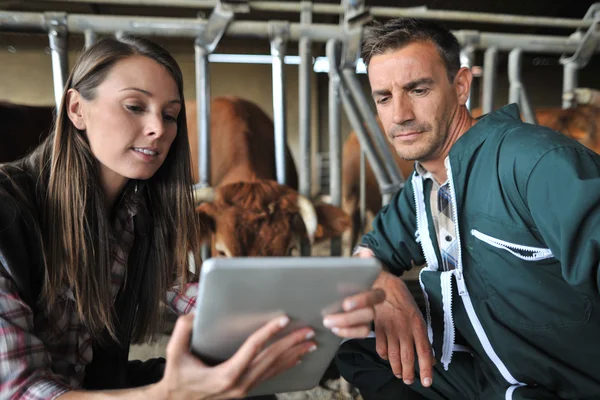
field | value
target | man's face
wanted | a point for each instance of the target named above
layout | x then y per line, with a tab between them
414	98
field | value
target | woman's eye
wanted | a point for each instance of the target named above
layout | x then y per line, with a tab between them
170	118
135	109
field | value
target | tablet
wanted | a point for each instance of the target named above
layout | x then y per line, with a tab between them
236	296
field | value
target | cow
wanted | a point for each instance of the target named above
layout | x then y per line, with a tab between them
246	212
581	123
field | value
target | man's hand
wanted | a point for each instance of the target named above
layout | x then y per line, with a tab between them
399	329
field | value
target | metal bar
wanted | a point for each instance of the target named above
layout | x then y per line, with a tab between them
334	9
58	38
203	113
304	100
526	108
188	27
362	191
90	38
514	75
279	34
467	59
570	70
355	119
490	67
517	91
335	147
203	122
304	113
393	172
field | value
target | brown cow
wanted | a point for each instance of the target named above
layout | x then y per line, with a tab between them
248	213
242	142
581	123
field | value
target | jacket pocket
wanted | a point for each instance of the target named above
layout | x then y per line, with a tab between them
527	253
522	278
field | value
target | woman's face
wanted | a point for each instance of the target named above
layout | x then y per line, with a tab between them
132	121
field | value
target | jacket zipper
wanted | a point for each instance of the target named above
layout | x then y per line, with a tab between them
537	253
464	295
426	246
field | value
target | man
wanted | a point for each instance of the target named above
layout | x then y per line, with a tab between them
506	218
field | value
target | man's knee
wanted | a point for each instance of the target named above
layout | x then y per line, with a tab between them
359	364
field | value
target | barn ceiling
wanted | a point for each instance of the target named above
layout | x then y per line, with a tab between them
572	9
548	8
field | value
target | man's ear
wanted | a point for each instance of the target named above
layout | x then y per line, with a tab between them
205	215
75	109
332	222
462	84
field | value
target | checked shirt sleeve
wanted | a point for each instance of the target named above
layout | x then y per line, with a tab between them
182	302
25	371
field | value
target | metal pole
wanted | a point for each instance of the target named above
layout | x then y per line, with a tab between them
203	113
355	119
514	75
467	57
190	27
517	90
304	112
279	36
526	108
304	123
90	38
334	9
203	121
57	34
490	66
362	192
204	44
335	146
349	78
570	70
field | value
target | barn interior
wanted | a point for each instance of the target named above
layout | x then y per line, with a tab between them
26	62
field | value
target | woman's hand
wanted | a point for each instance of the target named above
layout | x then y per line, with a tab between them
186	377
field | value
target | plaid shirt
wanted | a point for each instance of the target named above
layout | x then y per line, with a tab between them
42	358
442	213
443	218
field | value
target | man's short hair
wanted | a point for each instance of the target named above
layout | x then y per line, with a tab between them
379	38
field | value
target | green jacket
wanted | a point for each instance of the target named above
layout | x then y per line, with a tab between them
527	206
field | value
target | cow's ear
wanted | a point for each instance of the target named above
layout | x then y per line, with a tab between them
333	221
205	215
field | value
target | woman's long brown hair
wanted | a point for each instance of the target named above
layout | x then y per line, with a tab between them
76	229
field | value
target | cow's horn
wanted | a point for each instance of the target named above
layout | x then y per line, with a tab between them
309	216
203	195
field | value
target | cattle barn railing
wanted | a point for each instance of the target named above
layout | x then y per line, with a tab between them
343	39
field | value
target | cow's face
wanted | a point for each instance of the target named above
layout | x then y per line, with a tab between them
263	218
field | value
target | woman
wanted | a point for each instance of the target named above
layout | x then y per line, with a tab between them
95	226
